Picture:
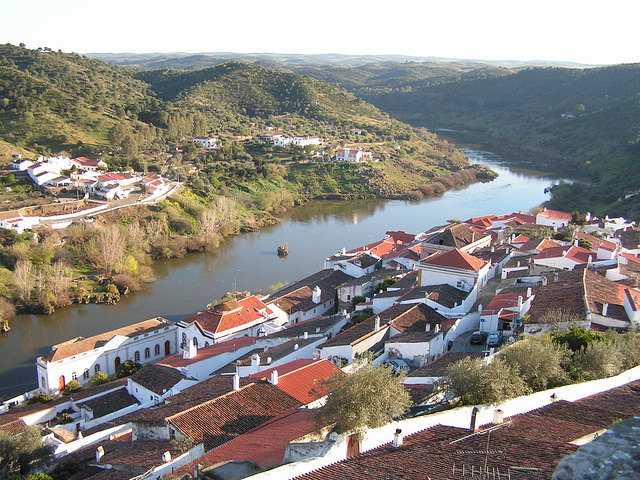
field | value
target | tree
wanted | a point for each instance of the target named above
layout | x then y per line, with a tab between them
367	398
19	450
127	368
23	279
111	245
540	362
99	378
72	387
597	360
476	382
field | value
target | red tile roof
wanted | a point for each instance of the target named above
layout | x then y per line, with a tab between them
555	215
301	378
219	319
177	360
456	259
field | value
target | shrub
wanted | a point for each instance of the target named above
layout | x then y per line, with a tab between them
72	387
99	378
39	398
64	418
127	368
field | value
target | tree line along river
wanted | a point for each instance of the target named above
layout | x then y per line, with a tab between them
249	261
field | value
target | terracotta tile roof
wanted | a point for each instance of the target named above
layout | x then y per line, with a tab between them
301	378
225	418
432	454
446	295
630	239
577	254
157	378
503	300
131	456
177	360
13	426
456	235
376	277
595	241
80	344
231	315
408	281
485	221
593	414
312	326
564	291
555	215
264	445
622	401
401	237
538	245
600	290
493	254
189	398
455	259
110	402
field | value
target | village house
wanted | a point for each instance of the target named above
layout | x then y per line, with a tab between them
353	155
457	269
227	320
563	258
19	224
356	264
455	235
308	298
364	286
553	218
21	165
157	382
282	141
88	165
153	183
80	358
504	312
206	142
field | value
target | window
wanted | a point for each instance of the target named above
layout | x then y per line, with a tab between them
85	374
43	384
74	376
136	356
147	352
96	369
195	342
184	339
206	344
156	350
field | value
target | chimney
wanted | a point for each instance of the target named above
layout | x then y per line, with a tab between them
544	281
166	457
575	242
498	417
376	323
554	398
305	335
99	453
255	360
518	263
474	414
437	328
236	382
398	437
519	300
427	328
493	249
295	347
529	292
605	309
190	350
268	360
316	295
274	377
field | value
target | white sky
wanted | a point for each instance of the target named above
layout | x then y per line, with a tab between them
559	30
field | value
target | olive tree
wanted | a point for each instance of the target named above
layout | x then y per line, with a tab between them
367	398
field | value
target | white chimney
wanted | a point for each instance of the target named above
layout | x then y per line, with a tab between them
376	323
268	360
519	300
99	453
518	263
255	360
529	292
274	377
398	437
166	457
427	328
305	335
498	417
437	328
493	249
605	309
295	347
190	350
317	293
236	382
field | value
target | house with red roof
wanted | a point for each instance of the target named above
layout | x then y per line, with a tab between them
456	235
503	312
553	218
457	269
564	257
19	224
353	155
86	164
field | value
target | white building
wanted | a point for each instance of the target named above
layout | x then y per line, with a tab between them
357	155
207	142
80	358
19	224
553	218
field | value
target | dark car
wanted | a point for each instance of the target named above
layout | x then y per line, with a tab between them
478	338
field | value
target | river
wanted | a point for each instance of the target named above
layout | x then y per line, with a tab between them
249	261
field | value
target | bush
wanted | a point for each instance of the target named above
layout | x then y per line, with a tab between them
127	368
99	378
39	398
72	387
64	418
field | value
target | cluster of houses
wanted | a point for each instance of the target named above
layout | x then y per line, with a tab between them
343	155
81	172
231	389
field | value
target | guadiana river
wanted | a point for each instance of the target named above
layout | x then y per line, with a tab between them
249	262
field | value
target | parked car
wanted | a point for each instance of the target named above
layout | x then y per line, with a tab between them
494	340
478	338
396	365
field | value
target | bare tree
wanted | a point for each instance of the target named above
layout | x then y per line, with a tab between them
111	244
209	225
23	280
58	281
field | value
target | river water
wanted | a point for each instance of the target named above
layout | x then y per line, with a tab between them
249	261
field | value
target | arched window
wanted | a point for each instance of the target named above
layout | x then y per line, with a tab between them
96	369
167	347
206	344
156	350
74	376
147	353
43	383
85	374
116	362
184	339
195	342
136	356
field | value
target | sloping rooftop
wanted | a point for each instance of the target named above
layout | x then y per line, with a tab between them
455	259
231	315
228	416
554	215
177	360
564	292
80	344
438	367
456	235
157	378
110	403
312	326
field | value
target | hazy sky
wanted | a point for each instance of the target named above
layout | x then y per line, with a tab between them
560	30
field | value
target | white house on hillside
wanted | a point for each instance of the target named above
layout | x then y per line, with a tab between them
207	142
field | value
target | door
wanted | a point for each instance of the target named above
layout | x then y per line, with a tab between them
167	347
116	362
353	446
62	384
